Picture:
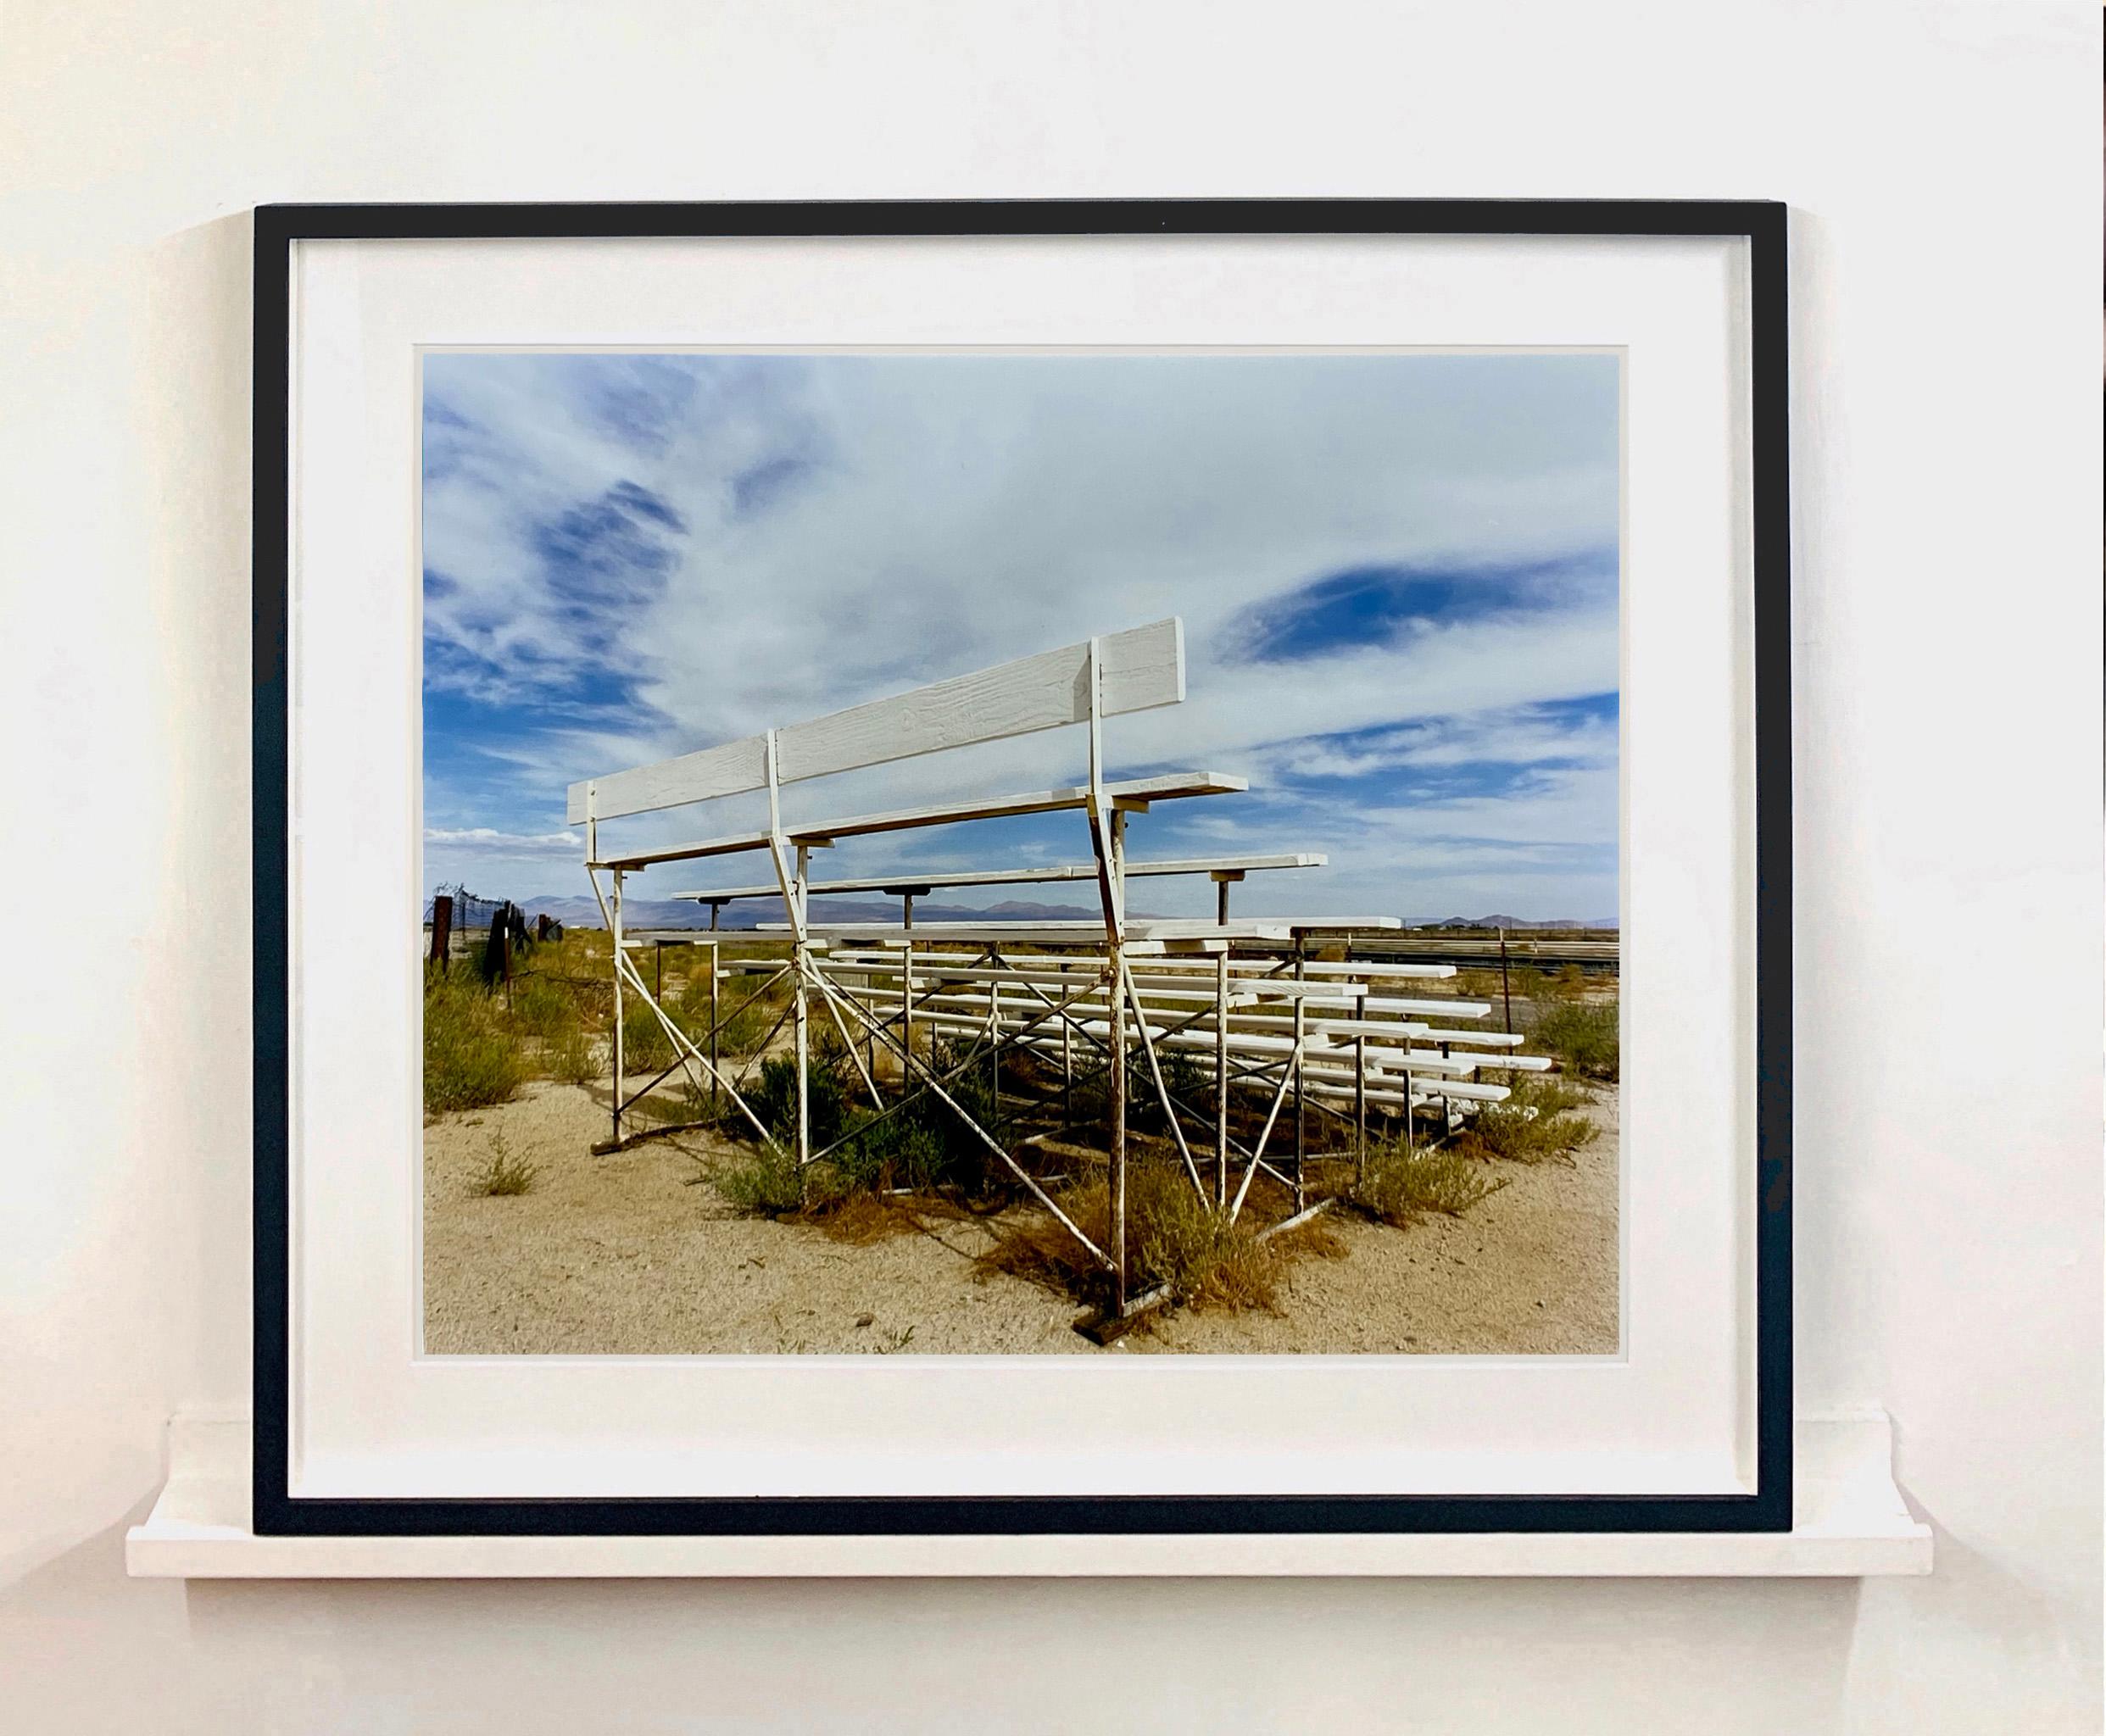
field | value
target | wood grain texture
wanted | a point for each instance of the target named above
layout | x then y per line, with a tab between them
1152	789
1141	669
726	771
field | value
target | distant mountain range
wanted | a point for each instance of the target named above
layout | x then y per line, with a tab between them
747	914
1516	922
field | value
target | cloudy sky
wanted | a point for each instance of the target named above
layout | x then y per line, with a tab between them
1397	575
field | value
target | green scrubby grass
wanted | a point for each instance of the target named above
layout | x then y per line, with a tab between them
471	1055
1537	1123
1583	1036
1400	1187
762	1181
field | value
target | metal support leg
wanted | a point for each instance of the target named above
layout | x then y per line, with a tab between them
995	1047
1301	1122
615	925
1301	1129
1221	1070
1360	1107
1118	1129
802	971
1067	1073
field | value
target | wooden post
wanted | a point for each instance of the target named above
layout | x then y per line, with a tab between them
441	928
1221	899
1506	992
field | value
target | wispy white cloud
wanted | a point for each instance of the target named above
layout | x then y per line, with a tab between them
639	556
485	838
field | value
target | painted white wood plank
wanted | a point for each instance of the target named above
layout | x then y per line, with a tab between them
1369	1027
947	878
730	770
1432	1008
1265	928
1317	967
1139	670
1168	786
1149	986
1028	934
1142	668
1464	1092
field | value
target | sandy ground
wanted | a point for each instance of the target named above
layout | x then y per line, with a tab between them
634	1253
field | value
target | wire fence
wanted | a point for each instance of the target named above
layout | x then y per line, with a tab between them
493	933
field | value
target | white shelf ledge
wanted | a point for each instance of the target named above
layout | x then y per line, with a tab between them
1851	1522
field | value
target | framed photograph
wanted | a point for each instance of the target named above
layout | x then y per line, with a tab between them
1010	869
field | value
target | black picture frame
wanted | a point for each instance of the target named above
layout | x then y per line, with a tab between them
277	1512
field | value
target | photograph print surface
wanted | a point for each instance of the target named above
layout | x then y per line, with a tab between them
1006	854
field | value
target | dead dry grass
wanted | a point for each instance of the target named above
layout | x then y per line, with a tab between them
1176	1240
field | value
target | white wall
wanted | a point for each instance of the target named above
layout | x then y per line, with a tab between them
1942	159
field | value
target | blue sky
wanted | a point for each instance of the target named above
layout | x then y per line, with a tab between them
1397	573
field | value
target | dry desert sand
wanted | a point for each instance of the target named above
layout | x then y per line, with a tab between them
634	1253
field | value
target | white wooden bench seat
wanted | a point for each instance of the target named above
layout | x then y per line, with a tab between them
1133	794
1095	1023
927	880
1058	931
1150	985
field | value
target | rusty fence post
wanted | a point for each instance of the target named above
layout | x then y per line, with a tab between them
1506	992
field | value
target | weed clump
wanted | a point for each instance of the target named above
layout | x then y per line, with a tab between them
572	1057
504	1174
1177	1241
540	1008
470	1057
1192	1248
1400	1187
1583	1037
763	1183
1537	1123
774	1097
